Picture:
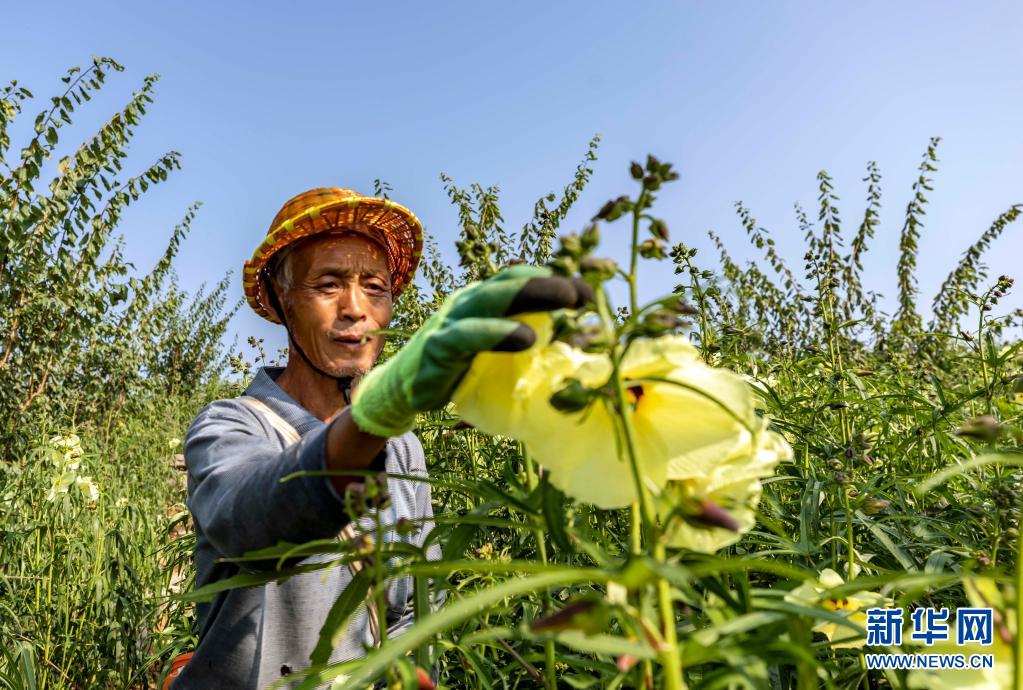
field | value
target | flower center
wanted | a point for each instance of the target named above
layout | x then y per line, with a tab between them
633	394
838	604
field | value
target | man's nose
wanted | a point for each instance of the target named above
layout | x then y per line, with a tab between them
352	303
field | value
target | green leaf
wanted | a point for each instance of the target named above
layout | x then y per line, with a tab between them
338	618
554	503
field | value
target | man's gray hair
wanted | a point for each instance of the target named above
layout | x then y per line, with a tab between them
280	269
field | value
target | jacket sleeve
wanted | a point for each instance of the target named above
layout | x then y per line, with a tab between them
235	491
404	617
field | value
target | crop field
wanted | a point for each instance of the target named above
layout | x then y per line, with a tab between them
707	490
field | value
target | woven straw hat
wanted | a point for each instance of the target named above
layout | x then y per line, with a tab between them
392	225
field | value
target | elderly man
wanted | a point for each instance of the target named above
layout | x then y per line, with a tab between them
328	271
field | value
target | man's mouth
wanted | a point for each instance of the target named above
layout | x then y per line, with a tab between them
352	340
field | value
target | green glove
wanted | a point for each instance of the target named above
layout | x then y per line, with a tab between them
424	374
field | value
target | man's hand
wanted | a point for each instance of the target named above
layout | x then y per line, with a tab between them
423	374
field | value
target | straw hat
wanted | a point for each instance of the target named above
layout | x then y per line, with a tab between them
391	225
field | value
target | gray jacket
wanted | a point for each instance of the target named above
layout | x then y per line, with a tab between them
250	637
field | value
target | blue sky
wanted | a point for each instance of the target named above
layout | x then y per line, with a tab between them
749	100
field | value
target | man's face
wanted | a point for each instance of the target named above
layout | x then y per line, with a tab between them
340	291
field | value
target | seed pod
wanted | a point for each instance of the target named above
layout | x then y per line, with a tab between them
636	170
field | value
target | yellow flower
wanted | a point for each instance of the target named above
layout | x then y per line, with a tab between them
68	444
851	606
731	484
88	488
982	593
174	443
61	485
686	415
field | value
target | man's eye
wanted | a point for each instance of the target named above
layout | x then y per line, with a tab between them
376	287
327	286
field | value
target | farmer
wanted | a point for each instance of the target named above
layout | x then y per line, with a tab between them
329	270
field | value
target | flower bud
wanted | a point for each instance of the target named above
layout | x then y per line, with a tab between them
405	526
710	514
423	679
571	245
588	614
684	308
984	428
636	170
574	397
625	662
597	268
873	506
590	339
652	249
659	229
613	210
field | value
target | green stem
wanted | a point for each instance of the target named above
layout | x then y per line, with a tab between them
671	660
850	552
550	669
1017	643
983	361
634	258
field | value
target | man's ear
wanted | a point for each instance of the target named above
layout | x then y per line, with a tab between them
276	304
